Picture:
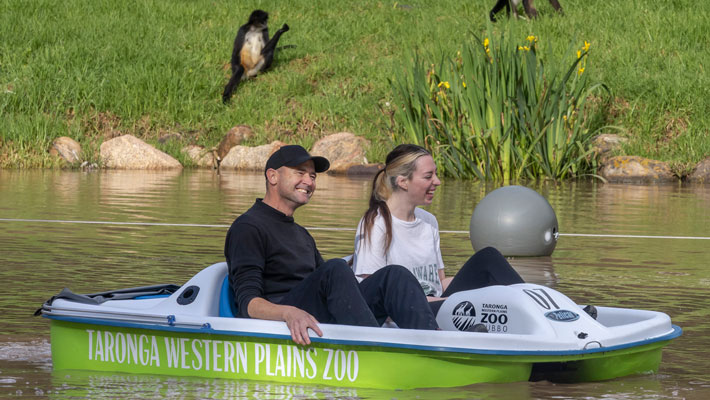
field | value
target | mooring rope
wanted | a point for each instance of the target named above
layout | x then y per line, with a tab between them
316	228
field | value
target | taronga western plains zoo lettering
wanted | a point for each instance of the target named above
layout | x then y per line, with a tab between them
223	356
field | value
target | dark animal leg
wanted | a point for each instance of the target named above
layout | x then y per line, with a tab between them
499	6
232	84
530	8
556	5
269	49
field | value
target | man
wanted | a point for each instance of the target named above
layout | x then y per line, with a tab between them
277	273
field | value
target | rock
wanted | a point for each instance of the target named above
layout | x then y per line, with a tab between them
605	144
701	172
200	156
129	152
234	137
636	169
364	170
344	150
250	158
66	148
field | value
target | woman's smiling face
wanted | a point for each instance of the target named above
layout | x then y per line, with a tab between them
421	186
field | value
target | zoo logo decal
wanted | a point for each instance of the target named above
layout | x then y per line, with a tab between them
464	315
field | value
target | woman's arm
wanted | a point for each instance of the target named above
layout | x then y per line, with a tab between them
369	254
444	280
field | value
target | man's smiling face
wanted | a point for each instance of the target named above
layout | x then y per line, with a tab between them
297	184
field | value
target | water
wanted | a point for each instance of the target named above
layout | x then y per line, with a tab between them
38	258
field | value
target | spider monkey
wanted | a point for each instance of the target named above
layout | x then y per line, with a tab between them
528	5
253	51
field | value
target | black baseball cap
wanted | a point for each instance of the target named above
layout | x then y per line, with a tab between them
293	155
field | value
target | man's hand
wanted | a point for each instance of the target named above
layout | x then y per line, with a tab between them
298	322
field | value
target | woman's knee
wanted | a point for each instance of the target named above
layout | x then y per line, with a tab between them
490	252
488	256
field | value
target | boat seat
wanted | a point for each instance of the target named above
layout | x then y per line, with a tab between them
227	308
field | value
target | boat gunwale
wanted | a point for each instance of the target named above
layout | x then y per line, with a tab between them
207	329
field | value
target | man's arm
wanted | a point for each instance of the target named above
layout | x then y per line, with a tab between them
297	320
245	253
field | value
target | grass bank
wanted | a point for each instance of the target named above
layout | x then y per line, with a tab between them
90	70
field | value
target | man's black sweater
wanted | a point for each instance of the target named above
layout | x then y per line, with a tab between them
268	254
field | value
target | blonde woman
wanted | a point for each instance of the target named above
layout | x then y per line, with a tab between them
394	230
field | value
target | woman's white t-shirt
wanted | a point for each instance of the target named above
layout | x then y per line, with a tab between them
415	246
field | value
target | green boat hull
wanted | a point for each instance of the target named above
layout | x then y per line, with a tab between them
229	355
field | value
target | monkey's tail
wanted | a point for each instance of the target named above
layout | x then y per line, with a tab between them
232	84
228	90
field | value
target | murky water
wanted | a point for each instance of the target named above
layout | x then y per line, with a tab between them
166	226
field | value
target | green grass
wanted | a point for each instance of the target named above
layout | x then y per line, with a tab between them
79	69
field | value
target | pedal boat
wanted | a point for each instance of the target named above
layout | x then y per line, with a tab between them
534	333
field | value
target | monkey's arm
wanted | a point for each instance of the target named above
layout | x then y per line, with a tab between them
238	44
237	68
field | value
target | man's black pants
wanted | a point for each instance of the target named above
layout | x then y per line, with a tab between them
332	295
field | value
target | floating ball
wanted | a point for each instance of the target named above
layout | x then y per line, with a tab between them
516	220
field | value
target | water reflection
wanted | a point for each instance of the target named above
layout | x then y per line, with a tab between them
540	270
79	384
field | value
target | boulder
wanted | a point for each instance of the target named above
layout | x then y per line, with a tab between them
605	144
66	148
234	137
200	156
701	172
250	158
344	150
636	169
129	152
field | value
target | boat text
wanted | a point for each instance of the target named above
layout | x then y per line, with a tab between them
223	356
495	317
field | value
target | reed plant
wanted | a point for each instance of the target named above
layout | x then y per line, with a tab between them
495	111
